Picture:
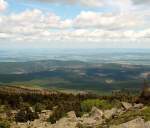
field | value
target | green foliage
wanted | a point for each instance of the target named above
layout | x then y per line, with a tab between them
130	115
87	105
146	114
4	124
125	117
39	107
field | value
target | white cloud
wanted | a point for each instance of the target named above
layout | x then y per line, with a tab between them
141	1
3	5
34	25
107	21
32	21
86	3
92	3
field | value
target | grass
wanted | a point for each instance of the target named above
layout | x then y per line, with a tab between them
87	105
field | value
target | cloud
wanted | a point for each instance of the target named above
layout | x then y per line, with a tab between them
107	20
32	21
141	1
58	1
3	5
86	3
92	3
35	25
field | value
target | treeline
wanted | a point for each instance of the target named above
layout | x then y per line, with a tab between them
15	100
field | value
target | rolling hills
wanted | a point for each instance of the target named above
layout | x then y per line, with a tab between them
76	75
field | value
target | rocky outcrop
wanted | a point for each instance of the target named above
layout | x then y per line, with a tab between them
96	118
33	124
96	113
67	122
136	123
72	115
91	120
110	113
126	105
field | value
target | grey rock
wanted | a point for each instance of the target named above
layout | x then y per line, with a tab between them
136	123
126	105
96	113
138	106
109	113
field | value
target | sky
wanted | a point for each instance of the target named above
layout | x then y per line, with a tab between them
75	23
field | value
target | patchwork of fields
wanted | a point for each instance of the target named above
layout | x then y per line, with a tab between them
74	75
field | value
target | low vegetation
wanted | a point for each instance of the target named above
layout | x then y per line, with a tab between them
130	115
32	102
25	114
4	124
87	105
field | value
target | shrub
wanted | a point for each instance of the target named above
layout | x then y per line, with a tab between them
56	115
130	115
25	115
87	105
39	107
4	124
146	113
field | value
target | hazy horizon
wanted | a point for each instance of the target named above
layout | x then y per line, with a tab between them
99	55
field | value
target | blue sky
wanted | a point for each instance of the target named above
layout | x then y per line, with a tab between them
75	23
63	10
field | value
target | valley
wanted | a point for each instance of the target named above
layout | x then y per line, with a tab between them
74	75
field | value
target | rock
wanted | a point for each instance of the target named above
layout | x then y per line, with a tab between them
31	109
87	123
39	124
32	124
22	125
109	113
136	123
147	124
71	114
120	111
13	113
44	115
96	113
126	105
65	123
138	106
46	111
91	120
85	115
70	121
